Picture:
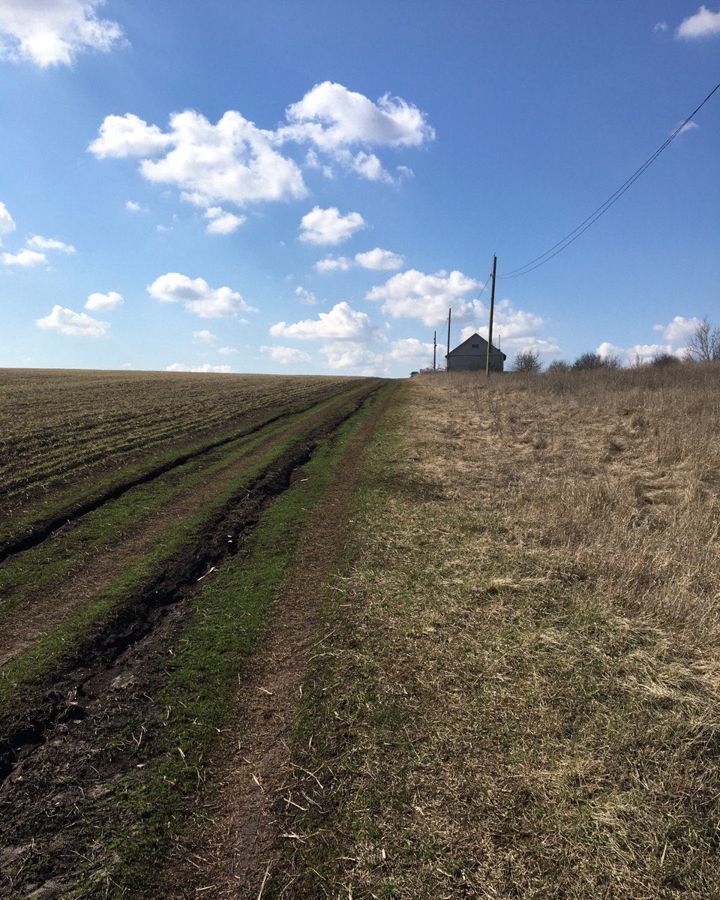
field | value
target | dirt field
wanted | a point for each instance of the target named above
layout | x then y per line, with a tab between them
106	613
438	638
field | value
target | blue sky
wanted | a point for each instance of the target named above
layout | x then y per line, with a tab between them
306	187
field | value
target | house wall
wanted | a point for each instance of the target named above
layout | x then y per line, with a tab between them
467	362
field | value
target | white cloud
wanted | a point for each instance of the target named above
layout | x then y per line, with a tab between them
342	323
42	243
128	135
307	297
704	23
333	264
660	26
352	355
203	336
328	226
331	117
221	221
688	126
232	161
127	366
679	329
104	301
227	351
6	221
365	164
66	321
25	258
134	207
514	330
53	32
415	295
412	351
638	353
286	355
197	296
379	259
205	367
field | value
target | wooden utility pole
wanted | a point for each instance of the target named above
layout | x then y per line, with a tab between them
434	350
492	313
447	358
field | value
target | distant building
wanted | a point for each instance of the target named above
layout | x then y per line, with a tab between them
472	354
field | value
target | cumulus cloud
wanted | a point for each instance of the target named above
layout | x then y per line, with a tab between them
637	354
328	226
679	329
227	351
352	355
221	221
333	264
38	242
134	207
412	351
232	161
330	116
128	135
54	32
286	355
342	323
235	162
307	297
205	367
203	336
104	301
415	295
660	26
66	321
379	259
26	259
197	296
514	330
6	221
702	24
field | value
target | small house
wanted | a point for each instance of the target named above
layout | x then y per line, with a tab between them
471	355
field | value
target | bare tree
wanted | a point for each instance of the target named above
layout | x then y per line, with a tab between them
594	361
704	345
527	361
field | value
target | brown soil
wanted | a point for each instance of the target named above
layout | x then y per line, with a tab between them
24	624
236	854
75	752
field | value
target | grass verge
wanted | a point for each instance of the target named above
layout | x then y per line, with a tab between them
483	721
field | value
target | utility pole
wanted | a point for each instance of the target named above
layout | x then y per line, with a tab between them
434	350
447	358
492	313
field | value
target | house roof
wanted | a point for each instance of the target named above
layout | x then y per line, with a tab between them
474	339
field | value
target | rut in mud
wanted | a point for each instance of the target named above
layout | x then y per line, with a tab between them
233	846
94	567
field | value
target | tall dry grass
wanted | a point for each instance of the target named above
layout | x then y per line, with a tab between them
620	468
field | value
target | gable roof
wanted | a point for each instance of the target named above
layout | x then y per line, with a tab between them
474	339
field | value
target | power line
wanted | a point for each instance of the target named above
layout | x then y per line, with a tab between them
580	229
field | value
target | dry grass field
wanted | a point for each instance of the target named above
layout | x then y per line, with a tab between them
516	692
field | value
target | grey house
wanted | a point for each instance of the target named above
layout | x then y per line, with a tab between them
472	354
